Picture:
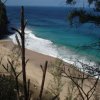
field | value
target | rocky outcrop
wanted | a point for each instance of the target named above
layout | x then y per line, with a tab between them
3	19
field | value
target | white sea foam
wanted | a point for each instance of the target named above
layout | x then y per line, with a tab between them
38	44
47	47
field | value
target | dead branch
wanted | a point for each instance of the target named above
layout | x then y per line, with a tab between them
43	79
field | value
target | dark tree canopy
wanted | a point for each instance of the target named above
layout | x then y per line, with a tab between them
3	19
83	15
95	2
97	5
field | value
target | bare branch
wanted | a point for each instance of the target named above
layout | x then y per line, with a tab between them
94	86
55	97
26	62
1	60
19	73
5	68
42	68
43	79
78	86
25	24
13	69
14	29
18	41
28	88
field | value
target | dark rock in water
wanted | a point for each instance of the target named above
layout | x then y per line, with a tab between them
3	20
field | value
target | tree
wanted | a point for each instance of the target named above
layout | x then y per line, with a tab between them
85	84
79	81
26	85
83	15
90	2
56	84
3	19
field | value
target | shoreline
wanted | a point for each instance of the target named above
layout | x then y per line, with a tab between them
48	48
33	70
36	56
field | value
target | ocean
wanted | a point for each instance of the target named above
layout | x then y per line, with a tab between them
48	32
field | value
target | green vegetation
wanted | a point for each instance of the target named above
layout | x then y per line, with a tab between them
10	88
7	88
3	19
83	15
56	85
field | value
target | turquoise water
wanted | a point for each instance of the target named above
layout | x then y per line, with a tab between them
50	23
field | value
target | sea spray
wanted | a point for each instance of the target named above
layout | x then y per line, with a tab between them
37	44
47	47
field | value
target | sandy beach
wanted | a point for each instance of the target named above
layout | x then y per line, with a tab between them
34	72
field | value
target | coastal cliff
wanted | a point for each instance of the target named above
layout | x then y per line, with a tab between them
3	19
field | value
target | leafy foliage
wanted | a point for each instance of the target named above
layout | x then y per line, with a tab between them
97	5
7	87
90	2
70	1
3	19
56	84
83	15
